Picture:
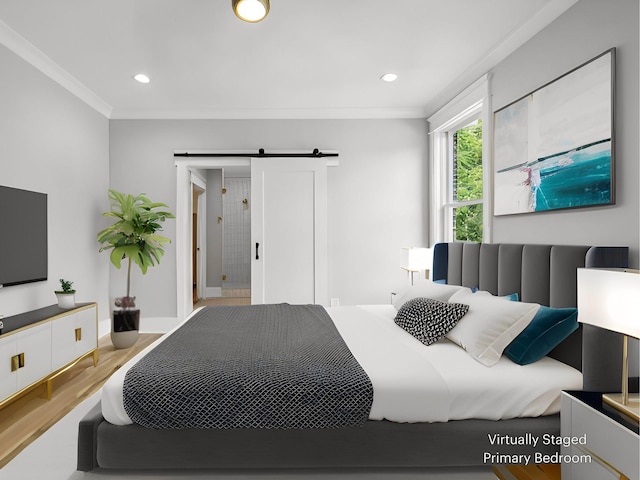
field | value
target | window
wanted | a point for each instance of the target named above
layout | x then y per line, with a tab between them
464	207
458	174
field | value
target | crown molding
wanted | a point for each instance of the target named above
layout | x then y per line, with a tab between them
509	44
268	113
35	57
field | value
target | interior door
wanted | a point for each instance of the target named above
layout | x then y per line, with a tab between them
194	256
289	234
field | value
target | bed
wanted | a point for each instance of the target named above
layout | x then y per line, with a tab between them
390	437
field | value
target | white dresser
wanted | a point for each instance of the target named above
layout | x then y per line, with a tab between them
603	444
37	346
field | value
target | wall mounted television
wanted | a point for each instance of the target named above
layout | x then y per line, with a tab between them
23	236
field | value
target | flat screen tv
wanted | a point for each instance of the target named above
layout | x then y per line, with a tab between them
23	236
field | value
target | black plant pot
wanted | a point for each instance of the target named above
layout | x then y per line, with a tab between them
125	322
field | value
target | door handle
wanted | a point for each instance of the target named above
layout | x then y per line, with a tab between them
257	246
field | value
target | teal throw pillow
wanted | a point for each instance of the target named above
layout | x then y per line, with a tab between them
513	297
548	328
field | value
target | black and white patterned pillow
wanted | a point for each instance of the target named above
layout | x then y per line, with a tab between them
429	320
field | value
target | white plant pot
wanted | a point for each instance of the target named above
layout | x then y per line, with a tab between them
66	300
124	339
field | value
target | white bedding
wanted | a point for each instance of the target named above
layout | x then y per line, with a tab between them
416	383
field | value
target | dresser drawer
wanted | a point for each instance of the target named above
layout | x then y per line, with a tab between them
8	374
594	470
34	344
614	444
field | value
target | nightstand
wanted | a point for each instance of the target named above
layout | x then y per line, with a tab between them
598	442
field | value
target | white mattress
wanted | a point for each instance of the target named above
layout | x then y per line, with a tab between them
416	383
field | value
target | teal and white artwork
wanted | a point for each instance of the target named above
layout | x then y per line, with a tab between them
553	149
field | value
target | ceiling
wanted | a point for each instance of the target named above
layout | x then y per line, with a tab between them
308	59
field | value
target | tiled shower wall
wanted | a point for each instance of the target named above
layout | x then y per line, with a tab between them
236	256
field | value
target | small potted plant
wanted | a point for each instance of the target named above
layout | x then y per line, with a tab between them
66	295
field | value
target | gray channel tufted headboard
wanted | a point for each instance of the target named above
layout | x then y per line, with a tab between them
544	274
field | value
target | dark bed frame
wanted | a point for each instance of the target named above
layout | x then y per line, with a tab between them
543	274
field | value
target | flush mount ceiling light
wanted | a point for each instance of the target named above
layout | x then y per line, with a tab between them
250	10
142	78
389	77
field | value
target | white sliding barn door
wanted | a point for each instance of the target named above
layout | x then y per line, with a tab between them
289	230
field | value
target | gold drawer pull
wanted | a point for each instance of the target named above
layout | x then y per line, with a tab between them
78	334
17	361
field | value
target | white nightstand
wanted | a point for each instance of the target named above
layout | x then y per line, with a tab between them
599	443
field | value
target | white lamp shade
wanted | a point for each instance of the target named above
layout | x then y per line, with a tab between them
610	298
414	259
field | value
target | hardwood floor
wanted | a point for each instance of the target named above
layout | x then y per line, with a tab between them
528	472
29	417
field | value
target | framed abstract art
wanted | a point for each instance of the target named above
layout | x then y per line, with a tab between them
553	148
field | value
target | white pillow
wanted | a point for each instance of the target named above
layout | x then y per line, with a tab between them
490	325
436	291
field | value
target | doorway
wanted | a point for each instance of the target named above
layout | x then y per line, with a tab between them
184	168
236	239
198	237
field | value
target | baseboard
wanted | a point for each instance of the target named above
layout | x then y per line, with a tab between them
213	292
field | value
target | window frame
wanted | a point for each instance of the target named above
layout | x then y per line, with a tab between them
473	103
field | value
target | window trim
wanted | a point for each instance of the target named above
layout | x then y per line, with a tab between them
473	102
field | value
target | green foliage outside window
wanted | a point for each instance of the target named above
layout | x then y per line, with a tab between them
469	223
467	144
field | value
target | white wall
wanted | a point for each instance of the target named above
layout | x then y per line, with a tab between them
587	29
54	143
377	196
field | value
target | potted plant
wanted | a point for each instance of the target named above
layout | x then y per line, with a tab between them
132	237
66	295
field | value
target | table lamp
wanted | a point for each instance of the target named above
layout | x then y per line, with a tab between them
610	299
414	259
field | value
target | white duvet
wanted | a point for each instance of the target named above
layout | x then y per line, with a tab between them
417	383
